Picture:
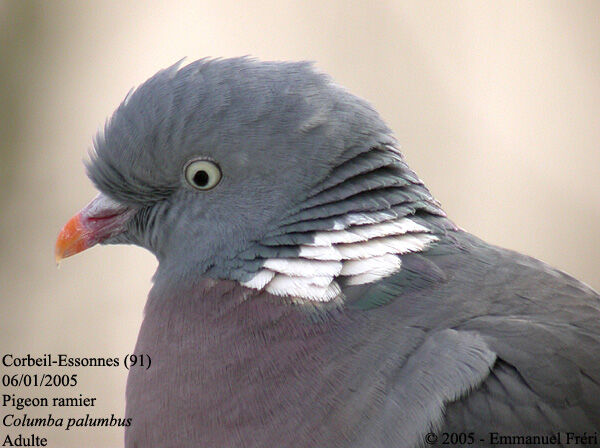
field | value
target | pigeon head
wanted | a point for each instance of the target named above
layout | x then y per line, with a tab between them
261	172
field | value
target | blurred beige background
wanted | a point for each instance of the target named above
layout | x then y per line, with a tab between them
496	105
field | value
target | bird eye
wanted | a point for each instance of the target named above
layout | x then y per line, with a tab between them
202	174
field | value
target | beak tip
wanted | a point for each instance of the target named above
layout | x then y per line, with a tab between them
70	240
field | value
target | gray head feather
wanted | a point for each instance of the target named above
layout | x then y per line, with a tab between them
294	148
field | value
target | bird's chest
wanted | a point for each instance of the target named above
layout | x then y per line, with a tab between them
214	382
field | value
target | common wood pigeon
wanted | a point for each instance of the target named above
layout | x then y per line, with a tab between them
310	290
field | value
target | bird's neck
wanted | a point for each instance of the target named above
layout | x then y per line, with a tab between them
352	228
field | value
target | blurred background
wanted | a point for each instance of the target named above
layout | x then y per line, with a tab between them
496	106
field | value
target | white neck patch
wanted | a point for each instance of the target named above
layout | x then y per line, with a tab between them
352	255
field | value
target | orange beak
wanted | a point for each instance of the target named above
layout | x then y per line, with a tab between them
101	219
71	239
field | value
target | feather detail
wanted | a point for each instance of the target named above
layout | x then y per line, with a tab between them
383	265
303	288
303	268
260	280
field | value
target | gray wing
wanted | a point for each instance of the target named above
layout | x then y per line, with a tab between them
446	366
517	348
547	374
546	377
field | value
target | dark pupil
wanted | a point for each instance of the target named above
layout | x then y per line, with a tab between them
201	178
